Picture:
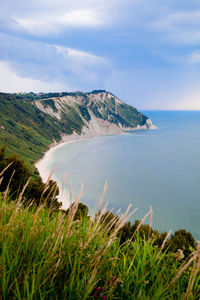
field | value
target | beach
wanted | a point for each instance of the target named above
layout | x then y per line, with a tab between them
42	163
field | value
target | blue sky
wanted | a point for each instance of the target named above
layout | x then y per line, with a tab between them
145	52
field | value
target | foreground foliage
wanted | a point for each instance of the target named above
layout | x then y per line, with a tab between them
47	254
15	175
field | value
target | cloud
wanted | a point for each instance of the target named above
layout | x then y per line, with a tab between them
53	17
73	69
81	55
11	82
146	53
194	57
41	25
172	21
181	28
188	59
80	62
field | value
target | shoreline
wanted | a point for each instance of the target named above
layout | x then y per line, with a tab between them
86	134
42	163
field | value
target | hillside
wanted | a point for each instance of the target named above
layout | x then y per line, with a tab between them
29	123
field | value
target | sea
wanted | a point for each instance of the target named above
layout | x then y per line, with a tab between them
149	168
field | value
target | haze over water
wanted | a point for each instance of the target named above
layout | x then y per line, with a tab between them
158	168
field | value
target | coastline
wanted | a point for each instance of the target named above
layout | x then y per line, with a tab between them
43	162
97	128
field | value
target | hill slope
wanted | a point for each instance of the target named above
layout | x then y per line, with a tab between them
29	123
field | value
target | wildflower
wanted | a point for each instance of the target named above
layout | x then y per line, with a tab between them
98	289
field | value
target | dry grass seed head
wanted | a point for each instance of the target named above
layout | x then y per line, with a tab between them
183	267
73	210
8	186
99	204
140	224
5	168
47	183
23	190
195	271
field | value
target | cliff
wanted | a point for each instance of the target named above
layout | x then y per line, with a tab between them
29	123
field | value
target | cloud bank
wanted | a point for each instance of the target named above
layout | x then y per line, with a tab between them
146	53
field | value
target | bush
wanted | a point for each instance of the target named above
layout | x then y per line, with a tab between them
182	240
16	176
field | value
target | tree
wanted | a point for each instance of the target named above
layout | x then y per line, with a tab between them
81	212
17	175
182	240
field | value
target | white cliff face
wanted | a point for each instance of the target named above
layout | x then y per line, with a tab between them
150	125
96	125
61	102
48	110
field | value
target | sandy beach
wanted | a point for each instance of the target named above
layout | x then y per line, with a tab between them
42	163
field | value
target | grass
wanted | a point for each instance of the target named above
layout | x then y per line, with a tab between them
46	254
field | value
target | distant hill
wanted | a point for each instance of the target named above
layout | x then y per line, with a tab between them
30	122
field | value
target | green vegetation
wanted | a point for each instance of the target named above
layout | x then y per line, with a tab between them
28	131
131	115
84	112
15	175
50	102
48	254
32	96
117	113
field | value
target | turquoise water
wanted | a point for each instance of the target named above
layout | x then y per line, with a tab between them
158	168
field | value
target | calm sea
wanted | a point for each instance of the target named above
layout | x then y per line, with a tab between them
158	168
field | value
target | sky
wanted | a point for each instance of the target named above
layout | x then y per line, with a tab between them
145	52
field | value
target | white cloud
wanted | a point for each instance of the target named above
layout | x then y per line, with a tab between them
192	58
73	69
195	57
182	28
10	81
52	17
74	53
53	23
172	21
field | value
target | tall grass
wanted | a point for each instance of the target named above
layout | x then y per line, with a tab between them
46	254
